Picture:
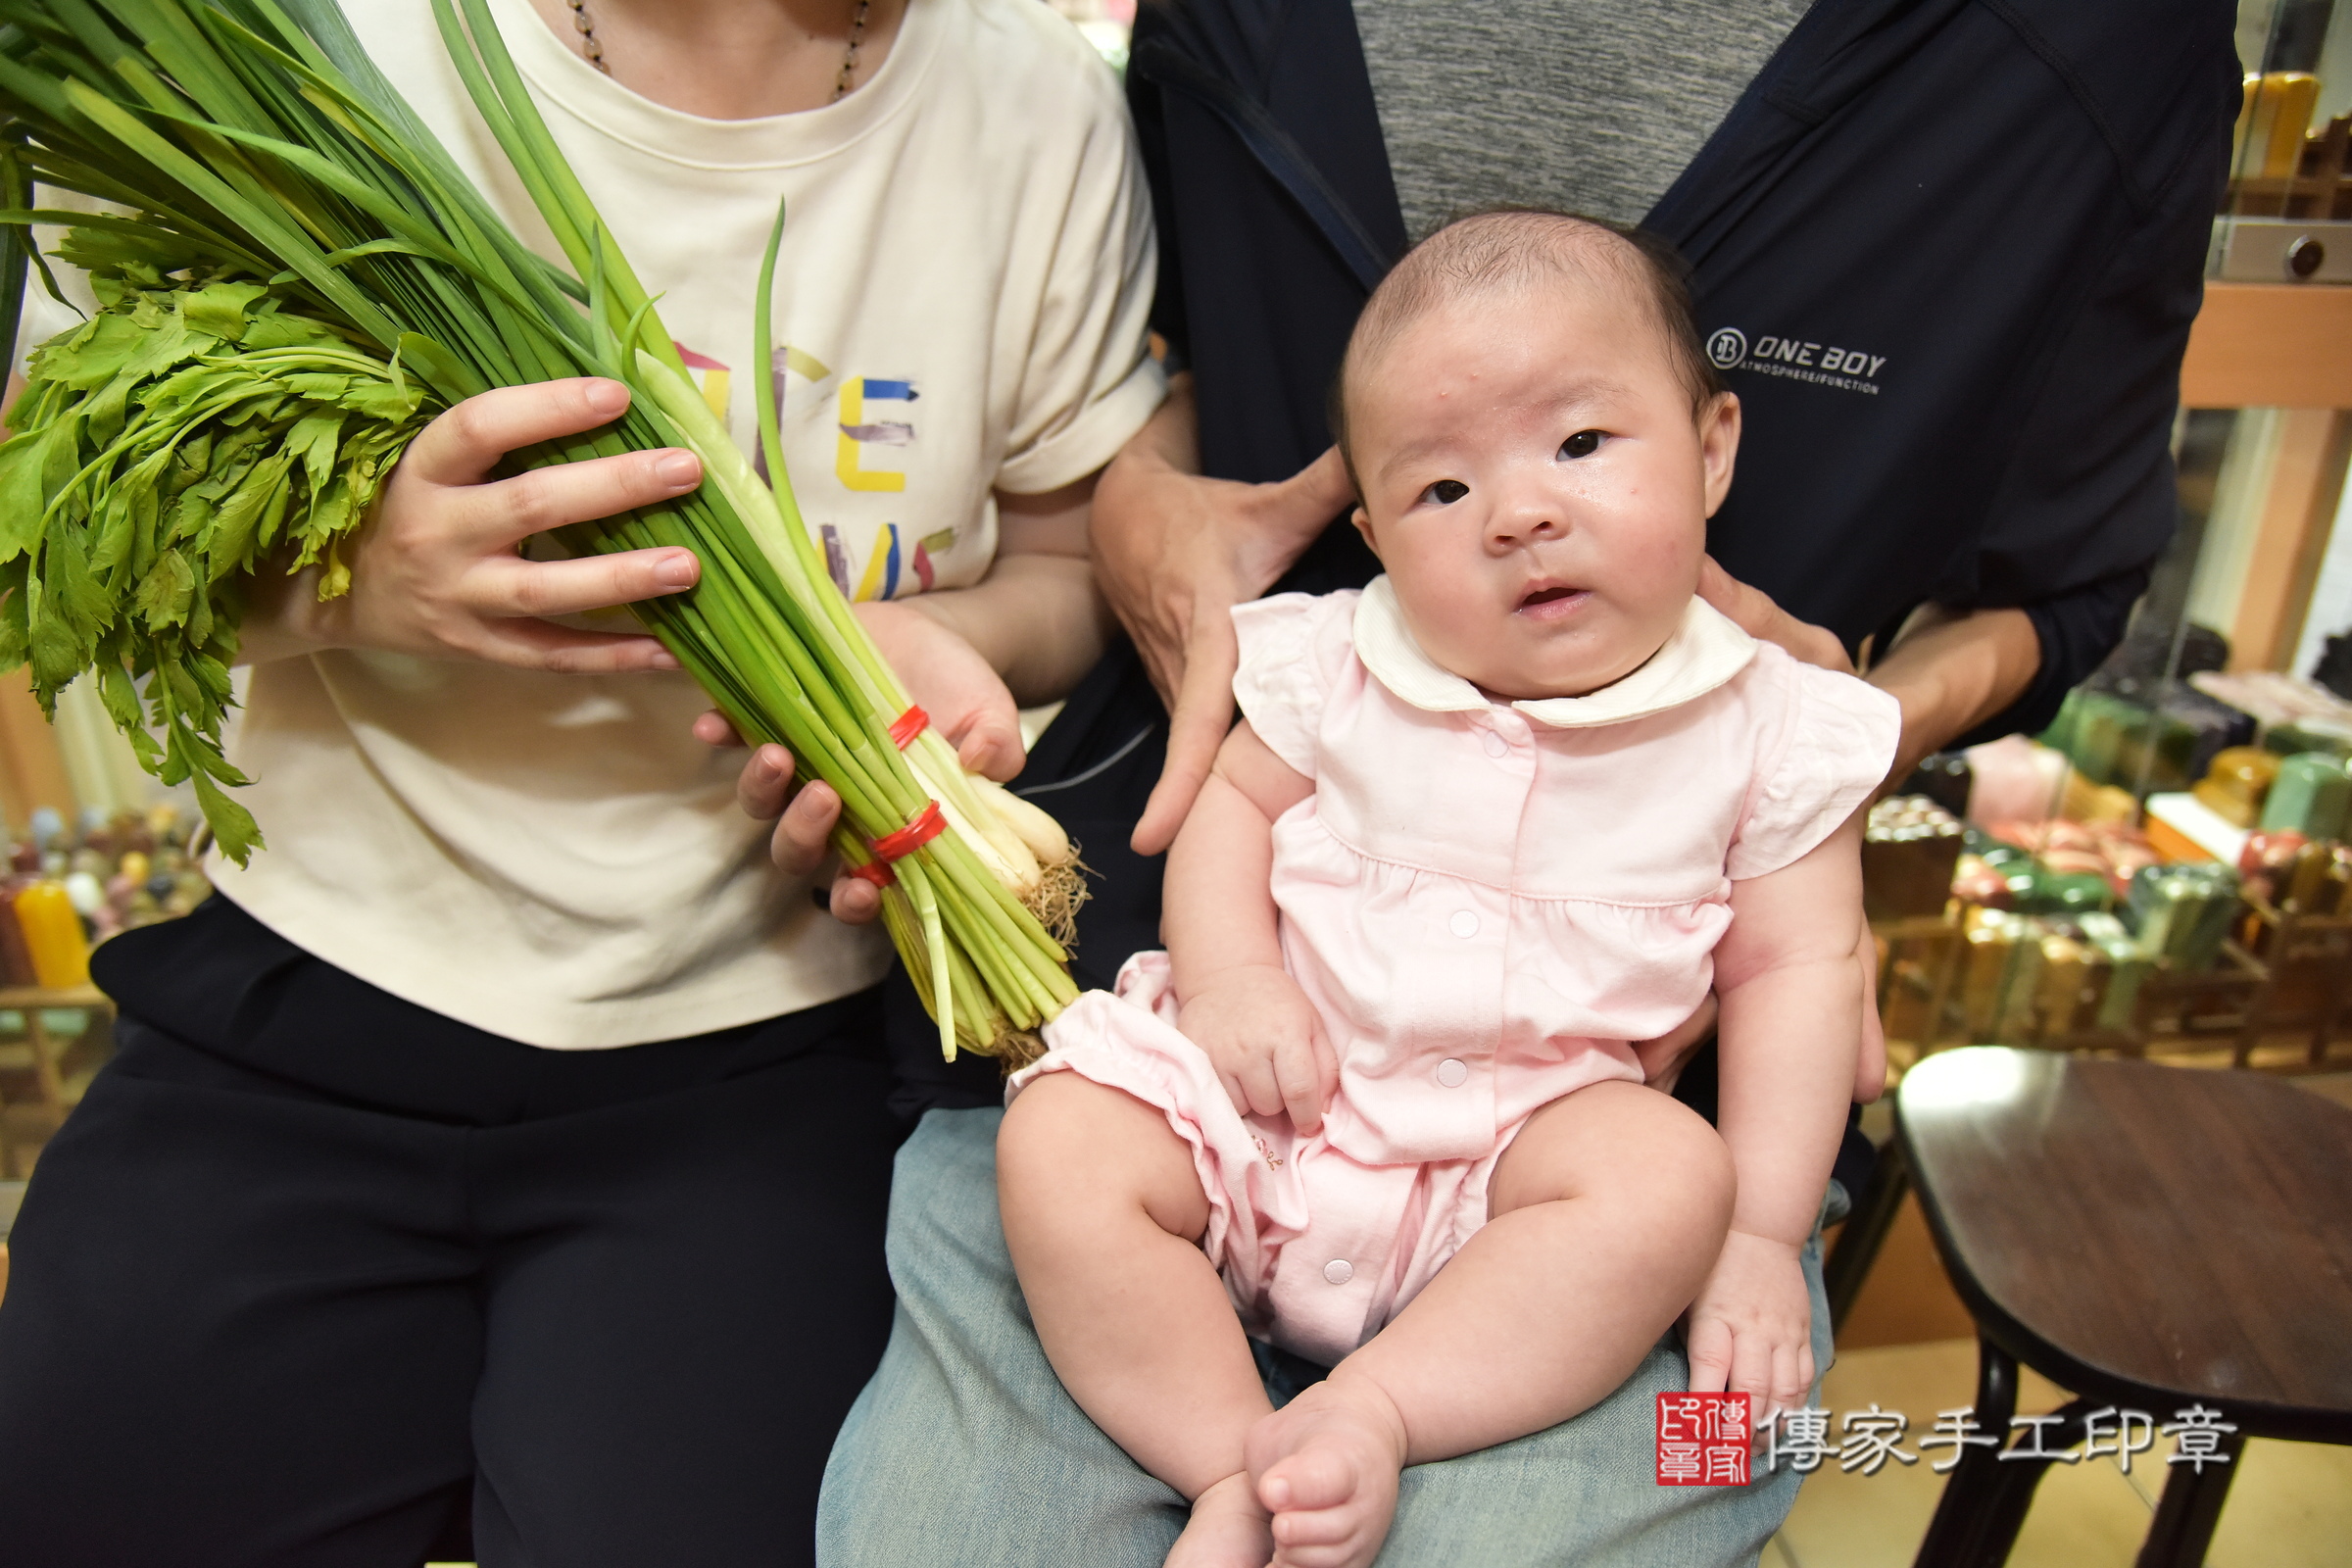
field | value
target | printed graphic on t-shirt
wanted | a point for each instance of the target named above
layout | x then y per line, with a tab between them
785	362
708	374
876	432
894	563
874	418
876	427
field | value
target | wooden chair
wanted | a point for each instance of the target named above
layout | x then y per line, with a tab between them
2154	1239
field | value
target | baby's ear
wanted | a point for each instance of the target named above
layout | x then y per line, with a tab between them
1717	446
1363	525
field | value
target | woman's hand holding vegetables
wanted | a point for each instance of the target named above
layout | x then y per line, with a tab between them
1175	553
966	699
967	702
436	574
1262	1036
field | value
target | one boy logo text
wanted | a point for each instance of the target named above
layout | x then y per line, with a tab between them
1798	359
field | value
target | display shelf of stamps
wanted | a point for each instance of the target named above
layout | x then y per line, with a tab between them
42	1066
2196	1006
2315	189
1916	971
1981	976
2308	960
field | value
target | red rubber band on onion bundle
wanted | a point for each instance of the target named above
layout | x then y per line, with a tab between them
906	726
928	824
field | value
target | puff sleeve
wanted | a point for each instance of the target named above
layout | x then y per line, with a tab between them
1284	676
1835	746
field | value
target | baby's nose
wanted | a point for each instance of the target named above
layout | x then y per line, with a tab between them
1532	518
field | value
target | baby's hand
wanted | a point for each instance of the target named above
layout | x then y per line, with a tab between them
1264	1038
1752	1328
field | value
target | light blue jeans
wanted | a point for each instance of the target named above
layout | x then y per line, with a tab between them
965	1449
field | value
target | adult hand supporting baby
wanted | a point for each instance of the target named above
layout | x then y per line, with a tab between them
1950	670
1175	553
1755	613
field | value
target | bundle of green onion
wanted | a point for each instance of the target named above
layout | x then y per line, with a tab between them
297	277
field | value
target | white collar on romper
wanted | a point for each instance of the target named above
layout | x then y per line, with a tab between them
1705	650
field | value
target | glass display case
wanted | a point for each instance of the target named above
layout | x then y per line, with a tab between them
2165	868
2288	213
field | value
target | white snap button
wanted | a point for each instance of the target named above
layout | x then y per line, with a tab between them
1497	746
1464	924
1452	1073
1339	1271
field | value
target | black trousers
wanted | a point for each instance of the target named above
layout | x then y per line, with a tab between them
281	1295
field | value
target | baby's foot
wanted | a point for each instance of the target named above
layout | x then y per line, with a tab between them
1326	1468
1228	1529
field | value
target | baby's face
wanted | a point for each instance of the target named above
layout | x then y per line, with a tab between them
1536	484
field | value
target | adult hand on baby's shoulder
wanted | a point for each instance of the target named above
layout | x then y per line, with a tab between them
1174	553
1262	1036
1754	611
1751	1330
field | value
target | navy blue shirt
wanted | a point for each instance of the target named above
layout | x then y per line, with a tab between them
1946	250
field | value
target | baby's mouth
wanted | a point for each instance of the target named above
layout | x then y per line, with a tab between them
1551	600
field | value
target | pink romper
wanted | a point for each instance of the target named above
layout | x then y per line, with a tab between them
1483	902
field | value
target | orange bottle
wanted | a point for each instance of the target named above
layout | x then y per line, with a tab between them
61	953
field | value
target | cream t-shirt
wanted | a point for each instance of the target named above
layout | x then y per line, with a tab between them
960	307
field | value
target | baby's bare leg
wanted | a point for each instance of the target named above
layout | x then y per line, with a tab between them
1607	1211
1103	1214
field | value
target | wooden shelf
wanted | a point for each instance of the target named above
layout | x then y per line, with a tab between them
2270	346
58	1070
21	998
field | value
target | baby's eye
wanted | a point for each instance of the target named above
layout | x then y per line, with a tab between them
1445	492
1583	444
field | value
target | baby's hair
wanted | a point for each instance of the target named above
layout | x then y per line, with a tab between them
1510	247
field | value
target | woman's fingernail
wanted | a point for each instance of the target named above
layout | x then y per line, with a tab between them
678	469
677	571
607	398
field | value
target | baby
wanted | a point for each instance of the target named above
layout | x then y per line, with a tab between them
1517	805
